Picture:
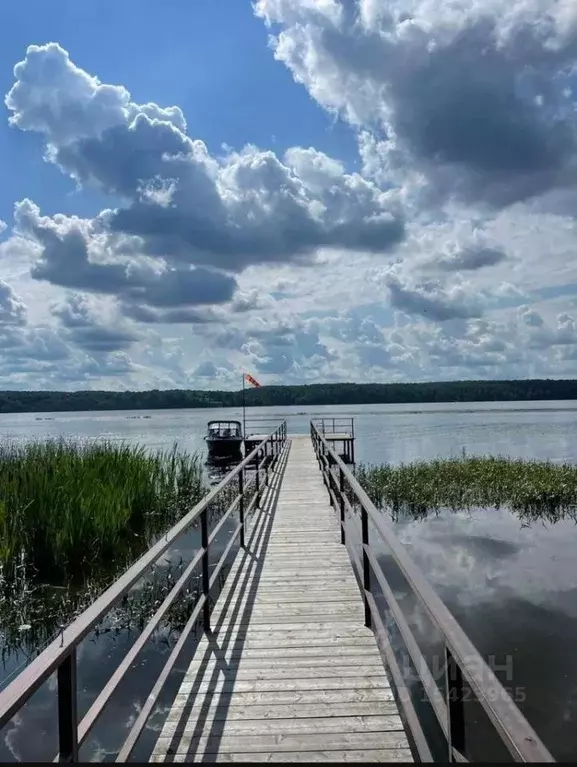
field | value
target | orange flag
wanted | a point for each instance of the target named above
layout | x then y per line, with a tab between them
251	380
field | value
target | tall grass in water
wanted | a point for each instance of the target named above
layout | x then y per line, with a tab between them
69	506
73	516
534	490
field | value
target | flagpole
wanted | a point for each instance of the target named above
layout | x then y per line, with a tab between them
243	411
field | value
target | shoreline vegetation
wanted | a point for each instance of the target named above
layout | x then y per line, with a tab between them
532	490
73	516
283	396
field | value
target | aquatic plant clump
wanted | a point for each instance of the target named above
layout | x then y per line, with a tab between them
533	489
68	506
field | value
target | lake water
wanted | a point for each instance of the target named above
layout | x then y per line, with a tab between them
512	588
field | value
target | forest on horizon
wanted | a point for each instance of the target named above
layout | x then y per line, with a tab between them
303	395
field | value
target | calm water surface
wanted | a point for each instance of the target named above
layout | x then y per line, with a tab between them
512	588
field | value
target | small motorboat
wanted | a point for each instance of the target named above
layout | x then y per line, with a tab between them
224	440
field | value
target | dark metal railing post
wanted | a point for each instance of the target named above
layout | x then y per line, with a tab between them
67	709
241	506
342	502
205	570
322	460
257	480
266	462
366	564
455	706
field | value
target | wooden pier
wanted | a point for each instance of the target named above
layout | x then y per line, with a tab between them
295	660
289	672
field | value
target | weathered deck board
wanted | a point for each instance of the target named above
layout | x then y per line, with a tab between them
289	672
266	707
258	725
197	746
373	755
223	686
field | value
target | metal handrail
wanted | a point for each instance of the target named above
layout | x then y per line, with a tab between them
258	426
325	422
462	659
60	655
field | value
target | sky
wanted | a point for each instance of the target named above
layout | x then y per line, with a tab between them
305	190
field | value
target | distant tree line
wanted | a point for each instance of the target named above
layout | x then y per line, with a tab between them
306	395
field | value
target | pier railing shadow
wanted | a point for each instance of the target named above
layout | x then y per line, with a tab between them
462	664
226	639
250	477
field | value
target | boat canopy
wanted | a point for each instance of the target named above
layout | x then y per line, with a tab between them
224	429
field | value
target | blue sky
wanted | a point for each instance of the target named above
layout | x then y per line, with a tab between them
311	191
210	57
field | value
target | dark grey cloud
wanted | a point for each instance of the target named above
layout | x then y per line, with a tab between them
271	220
180	287
429	299
471	259
102	339
480	96
66	260
465	107
182	204
183	315
83	328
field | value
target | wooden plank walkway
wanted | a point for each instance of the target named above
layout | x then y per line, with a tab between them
289	672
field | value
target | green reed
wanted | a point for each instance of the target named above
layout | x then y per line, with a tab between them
534	490
73	516
68	506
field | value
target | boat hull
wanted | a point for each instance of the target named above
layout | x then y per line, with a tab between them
230	449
